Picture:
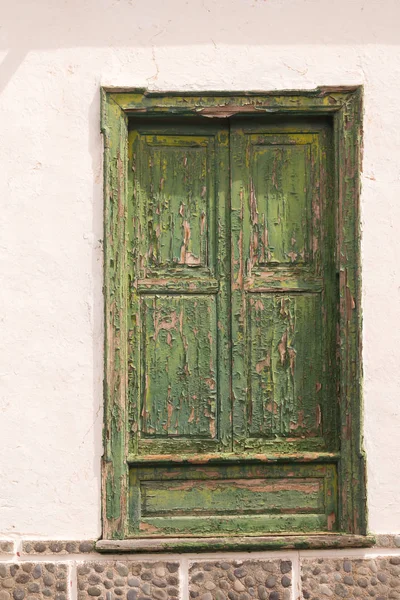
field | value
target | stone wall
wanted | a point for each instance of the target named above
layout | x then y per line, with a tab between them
73	570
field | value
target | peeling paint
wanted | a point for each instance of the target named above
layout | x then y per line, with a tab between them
275	249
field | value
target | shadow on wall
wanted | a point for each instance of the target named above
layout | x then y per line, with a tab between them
46	24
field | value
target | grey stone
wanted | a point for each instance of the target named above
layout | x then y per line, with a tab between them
161	583
325	590
50	567
262	593
172	567
347	566
122	569
160	594
6	547
240	572
48	579
341	590
99	568
94	590
27	567
61	586
285	581
86	546
146	588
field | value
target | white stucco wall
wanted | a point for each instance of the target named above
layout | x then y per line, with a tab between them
54	56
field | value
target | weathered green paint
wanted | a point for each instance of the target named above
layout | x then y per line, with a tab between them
283	267
179	352
114	481
237	543
281	197
179	366
285	372
243	498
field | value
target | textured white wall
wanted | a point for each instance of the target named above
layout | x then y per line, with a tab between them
53	58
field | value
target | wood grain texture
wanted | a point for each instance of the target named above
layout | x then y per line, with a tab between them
179	366
245	498
283	343
180	399
276	206
236	543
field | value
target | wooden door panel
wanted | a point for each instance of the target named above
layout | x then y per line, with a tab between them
283	287
179	366
285	366
280	199
233	499
176	196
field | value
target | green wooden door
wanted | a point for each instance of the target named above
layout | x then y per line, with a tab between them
233	323
283	288
180	390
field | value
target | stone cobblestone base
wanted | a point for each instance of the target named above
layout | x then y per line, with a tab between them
128	580
378	578
58	547
33	581
6	547
241	580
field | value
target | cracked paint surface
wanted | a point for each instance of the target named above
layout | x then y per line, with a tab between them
233	320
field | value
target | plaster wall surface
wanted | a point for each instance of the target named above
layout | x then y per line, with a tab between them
54	56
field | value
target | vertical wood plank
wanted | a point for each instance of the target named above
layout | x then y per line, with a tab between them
115	472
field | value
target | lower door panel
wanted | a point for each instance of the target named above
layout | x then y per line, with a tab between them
240	499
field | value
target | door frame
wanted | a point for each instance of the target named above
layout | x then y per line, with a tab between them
344	104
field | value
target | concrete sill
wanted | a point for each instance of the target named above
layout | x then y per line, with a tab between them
236	543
